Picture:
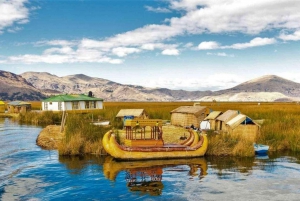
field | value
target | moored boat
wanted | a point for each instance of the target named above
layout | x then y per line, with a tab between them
261	149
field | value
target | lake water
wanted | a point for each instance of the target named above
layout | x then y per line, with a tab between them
28	172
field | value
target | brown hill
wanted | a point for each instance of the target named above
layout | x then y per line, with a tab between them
108	90
15	87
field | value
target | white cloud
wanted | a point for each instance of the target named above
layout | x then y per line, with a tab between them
294	36
220	54
157	10
208	45
171	52
13	12
123	51
251	17
253	43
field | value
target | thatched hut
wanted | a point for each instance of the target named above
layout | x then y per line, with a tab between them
211	119
132	114
224	118
2	107
189	115
18	107
244	126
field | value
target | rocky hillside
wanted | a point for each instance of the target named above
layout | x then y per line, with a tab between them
15	87
108	90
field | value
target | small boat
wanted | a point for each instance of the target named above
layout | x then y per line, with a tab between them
261	149
143	148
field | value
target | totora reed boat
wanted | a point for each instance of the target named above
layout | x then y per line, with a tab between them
142	148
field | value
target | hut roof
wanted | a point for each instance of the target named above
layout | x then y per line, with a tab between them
196	110
18	103
213	115
237	120
228	115
2	103
130	112
71	97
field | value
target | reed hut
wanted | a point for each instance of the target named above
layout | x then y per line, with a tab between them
243	126
18	107
211	120
224	118
189	115
2	107
132	114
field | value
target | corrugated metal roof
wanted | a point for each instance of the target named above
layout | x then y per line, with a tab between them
130	112
228	115
197	110
213	115
2	103
17	103
71	97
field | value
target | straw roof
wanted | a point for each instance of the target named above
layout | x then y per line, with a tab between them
228	115
130	112
196	110
239	119
213	115
18	103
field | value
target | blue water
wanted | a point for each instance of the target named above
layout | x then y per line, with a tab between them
28	172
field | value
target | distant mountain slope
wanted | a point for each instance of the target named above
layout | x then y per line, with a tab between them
268	83
108	90
40	84
265	88
15	87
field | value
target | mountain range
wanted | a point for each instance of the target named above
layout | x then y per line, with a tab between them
39	85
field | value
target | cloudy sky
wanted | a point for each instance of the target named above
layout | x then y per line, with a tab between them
177	44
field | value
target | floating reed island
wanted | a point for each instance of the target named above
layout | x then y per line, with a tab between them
276	124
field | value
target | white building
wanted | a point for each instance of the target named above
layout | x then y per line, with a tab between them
71	102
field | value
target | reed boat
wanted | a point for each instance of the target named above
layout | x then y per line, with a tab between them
154	147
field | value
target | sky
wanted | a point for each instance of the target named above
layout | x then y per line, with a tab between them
175	44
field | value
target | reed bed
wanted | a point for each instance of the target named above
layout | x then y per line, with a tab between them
81	137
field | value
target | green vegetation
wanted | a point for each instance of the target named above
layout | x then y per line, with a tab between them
280	129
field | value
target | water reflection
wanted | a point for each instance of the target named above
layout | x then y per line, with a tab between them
76	164
147	176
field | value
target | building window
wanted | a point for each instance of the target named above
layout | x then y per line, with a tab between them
87	104
75	105
50	103
45	106
59	106
92	104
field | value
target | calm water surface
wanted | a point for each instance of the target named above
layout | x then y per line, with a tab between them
28	172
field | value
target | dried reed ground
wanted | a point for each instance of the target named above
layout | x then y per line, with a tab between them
50	137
